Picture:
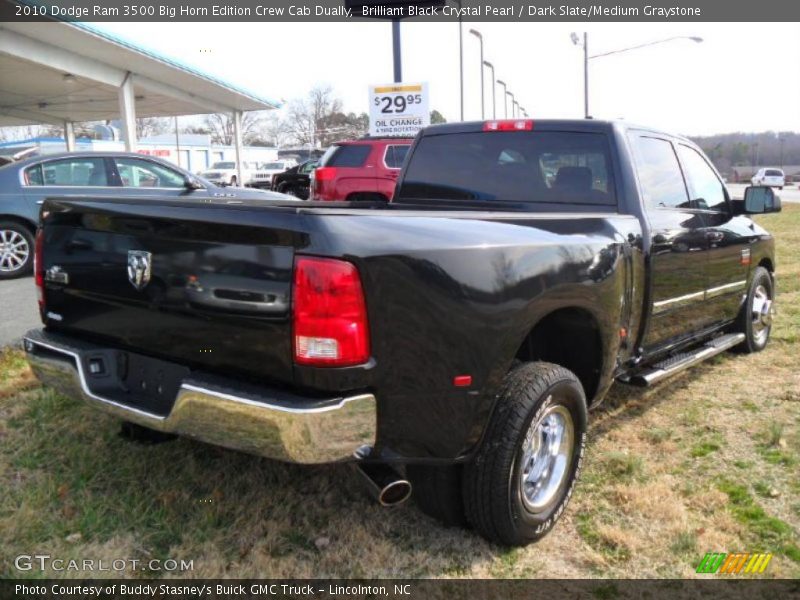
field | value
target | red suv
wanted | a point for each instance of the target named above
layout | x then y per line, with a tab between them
364	169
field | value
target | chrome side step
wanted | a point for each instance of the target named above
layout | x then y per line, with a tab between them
684	360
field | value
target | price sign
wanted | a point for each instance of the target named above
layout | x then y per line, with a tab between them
398	109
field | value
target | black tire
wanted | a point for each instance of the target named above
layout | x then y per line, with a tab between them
437	492
289	190
534	397
756	330
16	250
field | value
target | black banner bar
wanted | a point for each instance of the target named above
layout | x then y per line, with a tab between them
342	10
716	588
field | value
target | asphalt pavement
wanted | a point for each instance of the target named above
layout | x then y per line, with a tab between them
19	309
787	194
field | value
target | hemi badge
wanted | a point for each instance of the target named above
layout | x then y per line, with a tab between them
745	260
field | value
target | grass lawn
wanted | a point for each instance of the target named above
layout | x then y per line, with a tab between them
708	461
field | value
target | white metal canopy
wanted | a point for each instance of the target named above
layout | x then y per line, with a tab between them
60	73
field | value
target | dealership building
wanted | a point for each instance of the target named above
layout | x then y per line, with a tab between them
192	151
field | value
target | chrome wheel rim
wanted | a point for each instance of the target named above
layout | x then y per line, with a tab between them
14	250
761	314
546	458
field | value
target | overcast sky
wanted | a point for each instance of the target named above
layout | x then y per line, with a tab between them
743	77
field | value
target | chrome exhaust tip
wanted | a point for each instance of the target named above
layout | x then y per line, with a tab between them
385	484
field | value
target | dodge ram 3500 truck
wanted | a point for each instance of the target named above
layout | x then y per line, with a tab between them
451	340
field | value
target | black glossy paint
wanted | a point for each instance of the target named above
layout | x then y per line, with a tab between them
449	290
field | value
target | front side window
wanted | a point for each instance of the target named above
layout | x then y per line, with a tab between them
660	174
707	190
84	172
145	174
548	167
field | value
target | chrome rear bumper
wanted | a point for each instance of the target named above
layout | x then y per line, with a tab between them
306	431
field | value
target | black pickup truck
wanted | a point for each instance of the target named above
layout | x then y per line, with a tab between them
450	342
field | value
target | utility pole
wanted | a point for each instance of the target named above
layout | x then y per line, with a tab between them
398	61
478	35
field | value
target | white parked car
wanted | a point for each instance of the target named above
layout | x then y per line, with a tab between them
224	173
266	171
769	177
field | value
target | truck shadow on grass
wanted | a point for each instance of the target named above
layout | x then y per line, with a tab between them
76	488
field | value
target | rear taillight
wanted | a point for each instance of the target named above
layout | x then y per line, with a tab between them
509	125
324	173
38	269
330	315
322	190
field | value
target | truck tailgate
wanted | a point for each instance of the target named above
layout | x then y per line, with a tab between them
195	283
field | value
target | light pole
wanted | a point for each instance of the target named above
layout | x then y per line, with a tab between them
494	92
516	109
461	57
523	111
512	103
478	35
586	57
505	103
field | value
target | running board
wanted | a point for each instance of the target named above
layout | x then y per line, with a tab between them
678	362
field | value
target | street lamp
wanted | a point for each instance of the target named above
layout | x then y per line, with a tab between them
478	35
516	109
505	104
523	111
512	103
494	92
586	57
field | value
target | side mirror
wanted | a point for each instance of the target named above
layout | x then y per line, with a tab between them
760	199
193	184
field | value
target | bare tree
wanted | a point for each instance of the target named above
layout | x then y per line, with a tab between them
309	116
220	126
150	126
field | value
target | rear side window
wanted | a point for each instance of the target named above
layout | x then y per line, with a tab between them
660	174
33	175
395	155
511	166
773	173
350	155
85	172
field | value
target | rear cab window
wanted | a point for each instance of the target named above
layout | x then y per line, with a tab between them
560	168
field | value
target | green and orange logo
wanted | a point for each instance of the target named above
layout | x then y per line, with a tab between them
734	564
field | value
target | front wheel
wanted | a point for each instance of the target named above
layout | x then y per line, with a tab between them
520	481
755	319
